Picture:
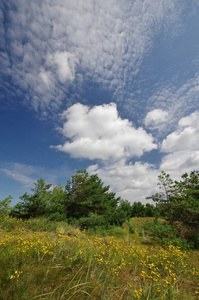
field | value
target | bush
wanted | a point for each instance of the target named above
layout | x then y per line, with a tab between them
165	233
92	221
193	240
10	223
56	216
44	224
116	231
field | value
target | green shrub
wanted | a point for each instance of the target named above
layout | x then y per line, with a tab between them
116	231
165	233
56	216
92	221
44	224
193	239
105	231
10	223
131	228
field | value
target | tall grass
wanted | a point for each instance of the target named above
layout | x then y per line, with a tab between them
65	263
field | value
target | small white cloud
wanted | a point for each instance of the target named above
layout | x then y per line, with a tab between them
186	136
46	78
65	65
191	120
20	172
99	133
27	174
155	118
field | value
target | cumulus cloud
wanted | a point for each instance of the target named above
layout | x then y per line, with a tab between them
190	121
180	161
133	182
47	46
185	137
155	117
136	181
182	146
99	133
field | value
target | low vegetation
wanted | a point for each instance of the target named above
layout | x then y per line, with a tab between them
82	242
41	259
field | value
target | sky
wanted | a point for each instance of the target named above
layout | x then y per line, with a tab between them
107	86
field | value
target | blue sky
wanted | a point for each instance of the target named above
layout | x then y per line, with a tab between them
107	86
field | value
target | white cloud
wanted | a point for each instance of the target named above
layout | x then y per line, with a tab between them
185	137
155	117
137	181
65	65
191	120
69	38
99	133
177	101
179	162
21	173
133	182
28	174
182	147
46	77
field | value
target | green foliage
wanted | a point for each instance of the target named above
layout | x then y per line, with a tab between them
123	212
10	223
116	231
85	201
92	221
90	202
178	202
186	207
140	210
86	194
5	206
165	233
34	205
107	231
57	204
70	264
165	197
41	224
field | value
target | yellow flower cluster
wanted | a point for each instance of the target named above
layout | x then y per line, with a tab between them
137	294
15	275
25	242
146	272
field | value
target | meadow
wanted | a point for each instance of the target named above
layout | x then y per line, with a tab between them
53	260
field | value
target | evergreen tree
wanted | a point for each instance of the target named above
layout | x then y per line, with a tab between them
34	205
86	194
57	204
5	206
186	208
179	204
166	197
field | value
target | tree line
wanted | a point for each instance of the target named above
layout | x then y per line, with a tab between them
85	201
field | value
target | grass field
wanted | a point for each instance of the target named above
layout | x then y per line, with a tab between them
42	260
